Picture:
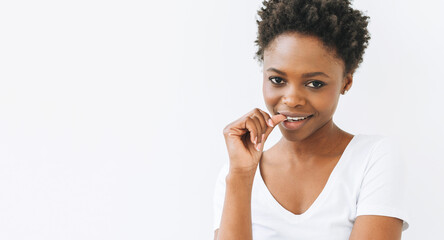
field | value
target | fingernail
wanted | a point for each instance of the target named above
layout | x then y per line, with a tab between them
270	122
258	148
263	137
255	140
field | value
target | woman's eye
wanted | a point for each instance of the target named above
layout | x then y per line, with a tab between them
316	84
277	80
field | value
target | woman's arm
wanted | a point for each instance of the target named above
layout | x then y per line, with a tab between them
245	140
236	214
372	227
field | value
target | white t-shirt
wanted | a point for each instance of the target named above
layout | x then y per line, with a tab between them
367	180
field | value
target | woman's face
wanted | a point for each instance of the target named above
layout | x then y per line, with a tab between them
303	78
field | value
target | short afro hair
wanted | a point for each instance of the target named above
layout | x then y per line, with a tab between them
341	28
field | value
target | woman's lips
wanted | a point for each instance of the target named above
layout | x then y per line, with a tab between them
296	124
292	114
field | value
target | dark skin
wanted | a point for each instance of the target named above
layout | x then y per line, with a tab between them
297	168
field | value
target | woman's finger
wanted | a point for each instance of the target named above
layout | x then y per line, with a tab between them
250	125
260	146
264	118
259	128
267	118
260	116
276	119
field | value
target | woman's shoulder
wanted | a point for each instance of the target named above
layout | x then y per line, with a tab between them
373	137
376	150
368	149
375	141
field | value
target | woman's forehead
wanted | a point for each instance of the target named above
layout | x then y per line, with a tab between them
306	53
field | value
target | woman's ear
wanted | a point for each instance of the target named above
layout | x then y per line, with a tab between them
347	83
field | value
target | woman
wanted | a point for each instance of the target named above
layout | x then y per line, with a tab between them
318	181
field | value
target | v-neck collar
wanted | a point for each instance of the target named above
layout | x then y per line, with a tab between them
273	203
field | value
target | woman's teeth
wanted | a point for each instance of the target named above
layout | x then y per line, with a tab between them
294	119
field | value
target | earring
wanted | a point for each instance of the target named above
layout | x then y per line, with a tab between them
345	91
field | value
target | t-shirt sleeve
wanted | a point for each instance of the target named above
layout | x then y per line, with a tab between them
219	196
382	190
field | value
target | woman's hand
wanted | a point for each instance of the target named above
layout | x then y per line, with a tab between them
245	139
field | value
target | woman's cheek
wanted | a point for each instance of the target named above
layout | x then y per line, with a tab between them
270	95
327	102
268	101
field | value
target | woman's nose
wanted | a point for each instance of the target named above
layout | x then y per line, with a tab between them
294	97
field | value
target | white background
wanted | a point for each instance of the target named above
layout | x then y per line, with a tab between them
111	112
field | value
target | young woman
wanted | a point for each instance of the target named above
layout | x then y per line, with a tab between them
318	181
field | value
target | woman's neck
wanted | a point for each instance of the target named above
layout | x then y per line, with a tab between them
324	143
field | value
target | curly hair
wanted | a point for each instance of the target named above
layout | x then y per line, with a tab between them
341	28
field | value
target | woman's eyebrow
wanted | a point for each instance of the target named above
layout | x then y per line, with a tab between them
305	75
275	70
314	74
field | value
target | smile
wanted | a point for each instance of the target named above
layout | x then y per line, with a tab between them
295	119
295	123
